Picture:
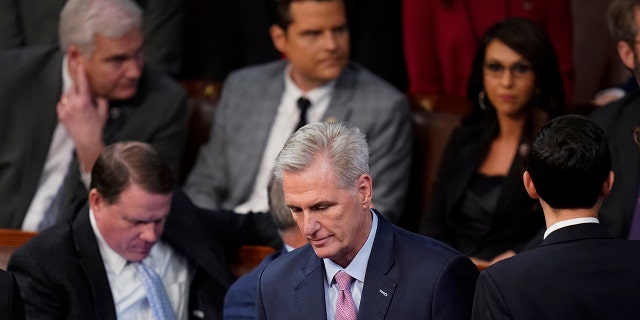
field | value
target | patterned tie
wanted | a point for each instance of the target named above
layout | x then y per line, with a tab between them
303	105
156	293
345	307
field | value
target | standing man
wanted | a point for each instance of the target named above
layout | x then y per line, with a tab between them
61	107
357	263
93	267
579	271
262	106
620	212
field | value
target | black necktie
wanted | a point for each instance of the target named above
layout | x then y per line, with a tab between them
303	105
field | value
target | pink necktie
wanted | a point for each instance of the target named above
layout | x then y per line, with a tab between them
345	307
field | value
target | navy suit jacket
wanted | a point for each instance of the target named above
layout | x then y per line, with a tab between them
240	300
408	276
579	272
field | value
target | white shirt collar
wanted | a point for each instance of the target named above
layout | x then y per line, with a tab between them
570	222
358	266
314	95
112	260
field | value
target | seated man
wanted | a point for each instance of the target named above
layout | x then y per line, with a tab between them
60	107
261	106
240	301
95	265
579	271
357	263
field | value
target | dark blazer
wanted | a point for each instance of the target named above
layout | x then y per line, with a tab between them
240	300
408	277
226	168
579	272
617	120
517	220
11	306
28	23
30	87
61	273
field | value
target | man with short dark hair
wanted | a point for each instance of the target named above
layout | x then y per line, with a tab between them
61	106
98	265
356	264
261	106
579	271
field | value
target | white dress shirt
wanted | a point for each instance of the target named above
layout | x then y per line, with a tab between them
55	167
570	222
129	294
357	269
283	126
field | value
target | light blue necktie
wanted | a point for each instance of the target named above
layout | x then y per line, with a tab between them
156	293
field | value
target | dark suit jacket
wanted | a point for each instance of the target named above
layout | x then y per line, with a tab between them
240	300
408	277
227	166
579	272
617	120
11	306
61	273
28	23
517	219
30	87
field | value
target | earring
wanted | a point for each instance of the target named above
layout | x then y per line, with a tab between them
481	100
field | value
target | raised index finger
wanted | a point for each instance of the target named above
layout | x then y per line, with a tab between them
82	87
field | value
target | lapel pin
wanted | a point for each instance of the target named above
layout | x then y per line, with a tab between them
383	293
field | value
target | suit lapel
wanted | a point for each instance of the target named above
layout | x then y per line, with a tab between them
309	290
378	289
93	266
339	107
628	156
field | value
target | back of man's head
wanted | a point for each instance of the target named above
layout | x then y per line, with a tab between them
81	20
569	162
123	163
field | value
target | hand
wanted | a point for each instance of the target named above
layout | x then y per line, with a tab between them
84	119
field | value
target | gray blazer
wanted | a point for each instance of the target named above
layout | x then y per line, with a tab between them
30	87
226	168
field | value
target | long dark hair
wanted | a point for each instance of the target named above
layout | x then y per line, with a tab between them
533	44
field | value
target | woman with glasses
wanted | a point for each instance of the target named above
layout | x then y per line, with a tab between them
479	205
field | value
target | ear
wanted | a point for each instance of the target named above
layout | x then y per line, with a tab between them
279	38
607	185
365	189
74	59
626	53
96	201
529	186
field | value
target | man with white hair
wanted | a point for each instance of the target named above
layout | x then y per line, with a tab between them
60	107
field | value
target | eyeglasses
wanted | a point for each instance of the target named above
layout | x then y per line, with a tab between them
636	134
496	69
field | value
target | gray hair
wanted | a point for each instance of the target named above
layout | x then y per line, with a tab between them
621	20
81	20
280	213
341	144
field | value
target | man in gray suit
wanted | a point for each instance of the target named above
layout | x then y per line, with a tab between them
60	107
262	106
